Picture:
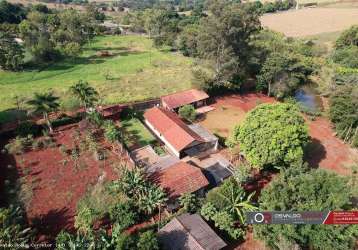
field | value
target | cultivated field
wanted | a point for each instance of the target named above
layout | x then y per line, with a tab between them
311	21
53	181
132	70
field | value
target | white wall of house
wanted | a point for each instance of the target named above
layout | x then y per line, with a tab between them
169	146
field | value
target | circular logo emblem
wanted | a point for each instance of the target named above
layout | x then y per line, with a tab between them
259	217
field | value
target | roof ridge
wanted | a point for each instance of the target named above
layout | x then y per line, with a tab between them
176	119
180	92
187	230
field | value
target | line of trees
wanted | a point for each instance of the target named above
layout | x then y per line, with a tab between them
47	34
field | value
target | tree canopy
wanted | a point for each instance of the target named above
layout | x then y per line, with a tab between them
272	134
299	190
225	38
226	206
48	36
11	13
188	112
348	38
343	112
11	53
43	104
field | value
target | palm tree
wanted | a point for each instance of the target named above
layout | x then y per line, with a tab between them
237	201
44	104
85	93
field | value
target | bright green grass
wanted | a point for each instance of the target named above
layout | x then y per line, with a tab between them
136	134
135	71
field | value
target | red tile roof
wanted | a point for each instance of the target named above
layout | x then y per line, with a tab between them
182	98
180	178
171	127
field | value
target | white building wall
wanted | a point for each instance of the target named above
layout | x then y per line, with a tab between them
169	146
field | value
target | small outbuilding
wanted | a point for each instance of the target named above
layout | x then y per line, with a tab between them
195	97
189	232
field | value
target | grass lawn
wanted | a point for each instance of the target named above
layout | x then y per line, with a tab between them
136	134
135	71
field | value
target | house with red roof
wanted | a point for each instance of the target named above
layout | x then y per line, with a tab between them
179	138
195	97
180	178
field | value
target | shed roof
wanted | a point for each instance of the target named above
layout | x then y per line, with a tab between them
180	178
172	128
183	98
189	232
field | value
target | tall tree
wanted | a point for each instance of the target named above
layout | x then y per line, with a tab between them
282	73
315	190
11	13
225	38
85	93
11	53
272	135
44	104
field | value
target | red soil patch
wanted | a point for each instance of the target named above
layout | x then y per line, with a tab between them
251	244
246	102
327	151
57	187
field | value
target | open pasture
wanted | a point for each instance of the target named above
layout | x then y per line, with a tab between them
130	70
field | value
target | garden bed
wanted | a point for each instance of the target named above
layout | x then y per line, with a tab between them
53	181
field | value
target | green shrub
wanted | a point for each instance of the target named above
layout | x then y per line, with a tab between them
124	214
13	228
189	202
111	132
188	112
66	120
37	144
65	241
148	241
343	111
70	103
347	57
19	145
159	150
28	128
348	38
84	219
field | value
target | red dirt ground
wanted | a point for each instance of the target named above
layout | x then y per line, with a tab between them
326	151
56	188
246	102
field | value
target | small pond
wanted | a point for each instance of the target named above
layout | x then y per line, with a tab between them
308	98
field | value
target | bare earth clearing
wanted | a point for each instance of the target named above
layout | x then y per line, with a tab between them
325	151
310	21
